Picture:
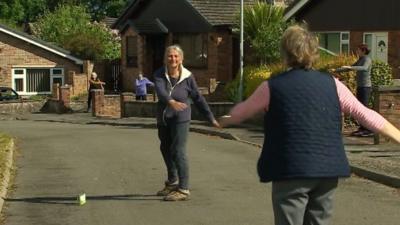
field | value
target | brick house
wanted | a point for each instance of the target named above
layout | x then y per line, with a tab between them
343	25
202	28
30	66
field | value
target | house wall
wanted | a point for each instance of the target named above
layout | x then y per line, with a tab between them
219	59
356	38
128	74
15	52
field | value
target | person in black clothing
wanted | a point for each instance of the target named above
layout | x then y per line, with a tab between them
175	86
94	83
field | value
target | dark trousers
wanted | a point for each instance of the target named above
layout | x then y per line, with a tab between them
89	101
141	97
363	95
173	137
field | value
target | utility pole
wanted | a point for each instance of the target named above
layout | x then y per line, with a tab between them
241	53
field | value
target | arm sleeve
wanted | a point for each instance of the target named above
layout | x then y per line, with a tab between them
351	106
199	100
258	102
365	65
149	82
161	90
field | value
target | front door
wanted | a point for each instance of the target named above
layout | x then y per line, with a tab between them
378	43
155	49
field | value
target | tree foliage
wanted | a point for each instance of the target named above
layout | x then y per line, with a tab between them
70	27
20	12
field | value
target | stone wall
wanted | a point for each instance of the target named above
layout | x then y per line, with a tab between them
20	107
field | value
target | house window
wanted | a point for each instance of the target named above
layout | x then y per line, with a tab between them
131	51
18	81
36	80
337	42
195	49
57	76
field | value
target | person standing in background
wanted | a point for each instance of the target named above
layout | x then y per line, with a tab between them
364	85
94	83
141	83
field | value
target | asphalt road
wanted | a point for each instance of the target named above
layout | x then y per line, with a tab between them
120	169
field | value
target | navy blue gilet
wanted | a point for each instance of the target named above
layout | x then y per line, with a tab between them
303	125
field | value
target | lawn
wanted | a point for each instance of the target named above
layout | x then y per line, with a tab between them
4	142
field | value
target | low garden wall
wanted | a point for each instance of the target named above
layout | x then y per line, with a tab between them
20	106
149	109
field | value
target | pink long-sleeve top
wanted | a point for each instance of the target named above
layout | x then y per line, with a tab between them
259	102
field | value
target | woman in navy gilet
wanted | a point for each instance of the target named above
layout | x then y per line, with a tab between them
303	153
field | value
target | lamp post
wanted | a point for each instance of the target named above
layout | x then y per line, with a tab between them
240	96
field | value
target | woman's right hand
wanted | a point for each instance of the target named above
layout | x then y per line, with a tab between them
177	106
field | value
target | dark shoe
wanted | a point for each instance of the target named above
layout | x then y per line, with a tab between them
367	133
178	195
167	189
357	133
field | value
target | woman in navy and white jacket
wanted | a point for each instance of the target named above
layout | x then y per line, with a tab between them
175	87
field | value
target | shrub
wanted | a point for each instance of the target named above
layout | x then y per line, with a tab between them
253	76
381	73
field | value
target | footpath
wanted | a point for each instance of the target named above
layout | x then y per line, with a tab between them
379	163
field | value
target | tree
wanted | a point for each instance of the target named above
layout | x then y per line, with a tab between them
263	28
70	27
17	12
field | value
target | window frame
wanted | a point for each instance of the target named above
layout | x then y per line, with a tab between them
341	40
204	47
23	77
134	61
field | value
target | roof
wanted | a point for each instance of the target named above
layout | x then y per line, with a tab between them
109	21
219	12
216	12
149	27
294	8
40	43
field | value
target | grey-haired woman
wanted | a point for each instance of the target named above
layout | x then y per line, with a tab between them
175	86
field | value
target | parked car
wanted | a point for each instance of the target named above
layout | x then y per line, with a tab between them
7	93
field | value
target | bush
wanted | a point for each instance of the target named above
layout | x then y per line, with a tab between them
38	97
381	74
253	76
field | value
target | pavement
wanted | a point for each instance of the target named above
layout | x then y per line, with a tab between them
379	163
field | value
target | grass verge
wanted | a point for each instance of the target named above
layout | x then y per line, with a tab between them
4	143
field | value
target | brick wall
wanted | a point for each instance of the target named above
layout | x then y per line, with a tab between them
15	52
129	74
394	52
106	105
79	83
387	103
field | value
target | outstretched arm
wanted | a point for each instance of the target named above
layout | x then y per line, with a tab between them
365	116
258	102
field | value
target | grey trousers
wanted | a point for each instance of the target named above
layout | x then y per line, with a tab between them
173	138
303	201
